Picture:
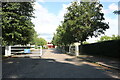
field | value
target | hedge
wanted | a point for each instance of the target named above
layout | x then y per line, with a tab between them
107	48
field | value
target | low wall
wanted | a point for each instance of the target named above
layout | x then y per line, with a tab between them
106	48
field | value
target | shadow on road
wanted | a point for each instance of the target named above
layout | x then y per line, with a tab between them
48	68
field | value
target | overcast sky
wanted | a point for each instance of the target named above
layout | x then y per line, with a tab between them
49	15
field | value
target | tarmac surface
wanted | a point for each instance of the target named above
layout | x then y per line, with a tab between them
52	64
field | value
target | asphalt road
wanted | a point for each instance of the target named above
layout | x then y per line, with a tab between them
53	64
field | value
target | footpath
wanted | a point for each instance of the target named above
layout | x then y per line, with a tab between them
103	61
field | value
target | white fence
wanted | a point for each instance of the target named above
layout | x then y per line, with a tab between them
10	50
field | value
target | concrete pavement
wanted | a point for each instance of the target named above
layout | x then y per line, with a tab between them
103	61
53	64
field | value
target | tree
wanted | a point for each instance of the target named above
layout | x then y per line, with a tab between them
40	42
82	20
63	36
116	12
115	37
55	40
106	38
17	27
34	38
85	20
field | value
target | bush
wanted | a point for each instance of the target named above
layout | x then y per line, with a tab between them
106	48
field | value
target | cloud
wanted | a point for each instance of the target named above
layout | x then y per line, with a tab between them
112	19
109	0
40	0
111	8
113	23
63	11
46	22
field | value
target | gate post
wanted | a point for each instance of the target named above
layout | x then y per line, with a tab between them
69	48
8	51
41	51
77	48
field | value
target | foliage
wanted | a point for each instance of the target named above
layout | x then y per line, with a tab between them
17	27
106	48
85	42
35	36
116	12
115	37
106	38
40	42
81	21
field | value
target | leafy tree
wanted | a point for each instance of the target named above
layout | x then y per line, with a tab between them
55	40
34	38
17	27
81	21
63	36
115	37
40	42
85	20
106	38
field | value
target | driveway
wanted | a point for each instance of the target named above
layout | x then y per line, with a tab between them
53	64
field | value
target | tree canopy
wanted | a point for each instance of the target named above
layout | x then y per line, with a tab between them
40	42
106	38
82	20
116	12
17	27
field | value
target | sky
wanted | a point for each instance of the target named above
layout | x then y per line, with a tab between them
49	15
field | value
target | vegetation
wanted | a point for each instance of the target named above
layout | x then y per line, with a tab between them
81	21
105	48
116	12
85	42
17	27
106	38
35	36
40	42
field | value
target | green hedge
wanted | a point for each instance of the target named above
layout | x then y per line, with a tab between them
107	48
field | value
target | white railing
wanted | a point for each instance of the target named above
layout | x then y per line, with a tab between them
10	50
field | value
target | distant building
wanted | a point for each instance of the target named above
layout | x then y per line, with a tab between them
50	45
